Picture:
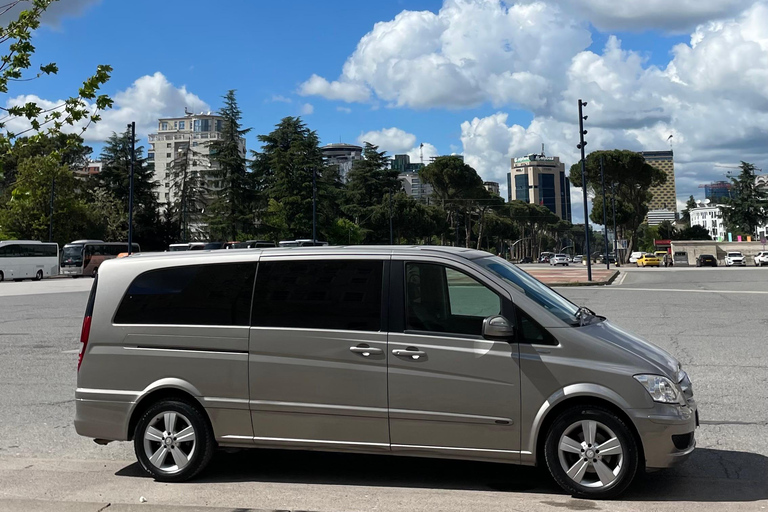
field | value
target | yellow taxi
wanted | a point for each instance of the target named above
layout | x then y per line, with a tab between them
648	260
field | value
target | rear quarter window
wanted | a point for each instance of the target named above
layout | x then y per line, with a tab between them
216	294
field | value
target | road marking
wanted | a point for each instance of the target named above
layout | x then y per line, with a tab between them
73	351
748	292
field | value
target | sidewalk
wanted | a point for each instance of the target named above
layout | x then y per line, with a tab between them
571	276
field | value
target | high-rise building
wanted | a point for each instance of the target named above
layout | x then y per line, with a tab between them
408	174
665	195
717	191
342	155
492	187
174	137
541	179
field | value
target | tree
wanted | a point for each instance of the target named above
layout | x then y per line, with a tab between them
666	230
14	68
689	205
70	147
747	207
115	179
27	214
369	180
282	174
457	188
189	173
631	177
232	206
694	233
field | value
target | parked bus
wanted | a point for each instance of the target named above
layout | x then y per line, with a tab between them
83	257
28	259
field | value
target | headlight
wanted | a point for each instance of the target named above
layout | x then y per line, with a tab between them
660	388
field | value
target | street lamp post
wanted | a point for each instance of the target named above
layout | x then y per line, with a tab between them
50	221
581	146
314	205
615	235
132	127
605	224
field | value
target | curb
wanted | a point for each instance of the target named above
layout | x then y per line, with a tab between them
607	282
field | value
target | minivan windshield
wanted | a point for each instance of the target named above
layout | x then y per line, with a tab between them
533	289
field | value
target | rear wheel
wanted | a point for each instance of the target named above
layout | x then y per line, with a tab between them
173	441
2	277
39	275
591	453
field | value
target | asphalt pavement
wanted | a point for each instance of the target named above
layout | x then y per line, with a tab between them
713	320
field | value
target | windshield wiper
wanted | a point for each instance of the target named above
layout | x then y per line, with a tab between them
582	313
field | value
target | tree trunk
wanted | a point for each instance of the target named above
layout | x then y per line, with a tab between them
468	228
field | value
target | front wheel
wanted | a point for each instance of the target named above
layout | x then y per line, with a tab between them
2	277
39	275
173	441
591	453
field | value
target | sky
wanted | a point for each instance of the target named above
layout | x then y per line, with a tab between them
487	79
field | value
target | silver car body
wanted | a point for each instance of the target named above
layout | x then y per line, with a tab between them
466	397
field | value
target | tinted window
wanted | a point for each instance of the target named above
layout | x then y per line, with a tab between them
343	294
529	330
190	295
441	299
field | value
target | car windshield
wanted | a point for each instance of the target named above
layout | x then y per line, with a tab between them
532	288
734	254
72	254
560	256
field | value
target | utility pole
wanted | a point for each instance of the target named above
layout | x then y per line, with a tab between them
605	223
132	127
581	146
615	235
314	205
50	209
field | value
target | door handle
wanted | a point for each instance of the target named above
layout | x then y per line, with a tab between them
366	351
411	352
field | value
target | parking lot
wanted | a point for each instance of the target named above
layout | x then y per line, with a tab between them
713	319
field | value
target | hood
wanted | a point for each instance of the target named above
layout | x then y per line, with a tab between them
635	345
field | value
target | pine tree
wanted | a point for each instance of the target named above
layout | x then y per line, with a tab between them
689	205
369	180
189	174
748	207
232	206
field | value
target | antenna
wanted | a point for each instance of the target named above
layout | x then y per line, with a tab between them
421	152
542	149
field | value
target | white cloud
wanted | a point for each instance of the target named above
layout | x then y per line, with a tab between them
54	14
277	98
346	110
391	140
341	90
145	101
637	15
423	59
307	109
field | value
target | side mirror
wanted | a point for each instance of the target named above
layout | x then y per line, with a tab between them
498	328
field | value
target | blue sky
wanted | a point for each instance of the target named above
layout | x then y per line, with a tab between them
482	78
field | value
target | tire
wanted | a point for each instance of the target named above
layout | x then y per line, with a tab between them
622	466
95	271
2	277
197	452
39	275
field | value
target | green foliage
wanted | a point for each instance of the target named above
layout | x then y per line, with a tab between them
694	233
369	180
189	173
82	109
27	213
666	230
232	206
689	205
631	177
747	206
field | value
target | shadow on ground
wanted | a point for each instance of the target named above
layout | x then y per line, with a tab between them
708	476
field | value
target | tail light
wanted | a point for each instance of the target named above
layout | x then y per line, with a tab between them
85	333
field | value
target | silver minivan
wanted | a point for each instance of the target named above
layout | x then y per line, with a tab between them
419	351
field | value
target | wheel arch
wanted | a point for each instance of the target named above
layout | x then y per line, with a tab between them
162	390
575	395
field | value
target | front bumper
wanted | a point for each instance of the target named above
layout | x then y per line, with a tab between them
657	427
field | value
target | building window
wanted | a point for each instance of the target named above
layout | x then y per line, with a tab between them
163	126
194	144
219	125
175	125
167	144
202	125
167	155
150	156
547	191
181	125
521	188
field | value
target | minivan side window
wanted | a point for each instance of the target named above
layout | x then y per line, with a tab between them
441	299
529	331
215	294
319	294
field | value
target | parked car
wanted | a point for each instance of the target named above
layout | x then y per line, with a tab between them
706	260
545	257
648	260
761	258
559	259
633	257
578	258
429	351
736	259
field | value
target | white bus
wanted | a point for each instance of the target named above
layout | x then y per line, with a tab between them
28	259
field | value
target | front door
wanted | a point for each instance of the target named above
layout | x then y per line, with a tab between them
451	391
317	354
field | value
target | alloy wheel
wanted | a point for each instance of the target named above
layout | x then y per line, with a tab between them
591	454
170	441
